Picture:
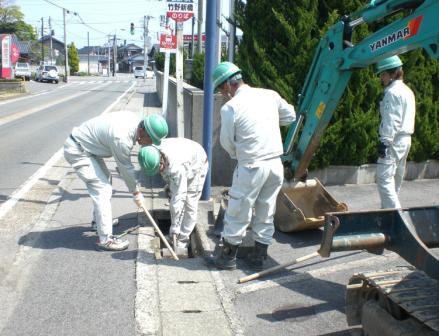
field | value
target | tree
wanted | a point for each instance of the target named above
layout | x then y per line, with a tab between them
278	44
11	22
73	58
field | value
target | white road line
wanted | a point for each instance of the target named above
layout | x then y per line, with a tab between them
27	97
315	273
26	186
15	116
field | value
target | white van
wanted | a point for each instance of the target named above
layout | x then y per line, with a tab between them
22	70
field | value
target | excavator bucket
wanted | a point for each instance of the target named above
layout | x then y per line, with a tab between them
303	206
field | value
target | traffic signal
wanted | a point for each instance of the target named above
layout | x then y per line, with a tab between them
132	28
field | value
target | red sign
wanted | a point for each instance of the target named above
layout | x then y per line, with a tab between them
179	16
168	43
15	53
188	38
180	10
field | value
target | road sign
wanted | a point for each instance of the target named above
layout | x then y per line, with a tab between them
168	43
180	10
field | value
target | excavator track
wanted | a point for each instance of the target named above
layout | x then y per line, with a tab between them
406	294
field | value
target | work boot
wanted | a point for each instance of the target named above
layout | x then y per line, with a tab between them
255	259
226	260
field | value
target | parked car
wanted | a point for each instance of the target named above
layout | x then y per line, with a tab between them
47	73
22	70
138	72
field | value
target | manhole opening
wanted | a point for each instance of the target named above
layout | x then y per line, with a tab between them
163	220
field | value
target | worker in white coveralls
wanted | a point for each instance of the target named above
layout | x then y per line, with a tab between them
397	110
250	133
110	135
183	165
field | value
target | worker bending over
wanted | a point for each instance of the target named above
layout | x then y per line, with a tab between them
183	165
110	135
397	110
250	133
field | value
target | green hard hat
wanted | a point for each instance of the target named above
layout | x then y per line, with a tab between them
156	127
149	160
222	72
388	63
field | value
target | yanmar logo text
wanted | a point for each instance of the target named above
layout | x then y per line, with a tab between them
404	33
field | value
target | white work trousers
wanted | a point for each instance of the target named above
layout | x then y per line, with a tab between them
190	210
390	171
257	187
96	176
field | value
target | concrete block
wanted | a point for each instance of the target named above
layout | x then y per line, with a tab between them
183	296
211	323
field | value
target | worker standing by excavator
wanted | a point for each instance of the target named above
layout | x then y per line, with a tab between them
250	133
397	110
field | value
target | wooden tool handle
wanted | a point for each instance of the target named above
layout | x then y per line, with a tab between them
278	267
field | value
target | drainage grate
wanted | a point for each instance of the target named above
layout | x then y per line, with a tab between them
163	220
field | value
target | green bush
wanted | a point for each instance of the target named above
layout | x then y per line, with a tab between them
276	52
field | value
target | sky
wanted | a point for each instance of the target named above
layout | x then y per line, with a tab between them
102	18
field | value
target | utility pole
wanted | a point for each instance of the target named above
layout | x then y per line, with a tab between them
66	58
88	54
50	32
114	55
145	46
232	32
109	57
42	43
200	26
192	42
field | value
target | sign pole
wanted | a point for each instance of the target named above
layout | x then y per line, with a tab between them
165	85
179	78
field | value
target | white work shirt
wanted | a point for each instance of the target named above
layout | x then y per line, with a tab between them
185	159
111	135
250	124
397	111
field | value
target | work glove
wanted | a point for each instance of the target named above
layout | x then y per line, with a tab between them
139	199
382	150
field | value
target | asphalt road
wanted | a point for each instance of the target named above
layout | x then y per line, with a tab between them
34	127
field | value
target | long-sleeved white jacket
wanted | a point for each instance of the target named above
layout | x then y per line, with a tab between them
111	135
397	111
250	124
185	158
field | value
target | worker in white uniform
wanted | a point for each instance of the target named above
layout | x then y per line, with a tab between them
250	133
110	135
397	110
183	165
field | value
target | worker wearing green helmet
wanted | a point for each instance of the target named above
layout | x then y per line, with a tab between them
250	133
110	135
397	111
183	165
